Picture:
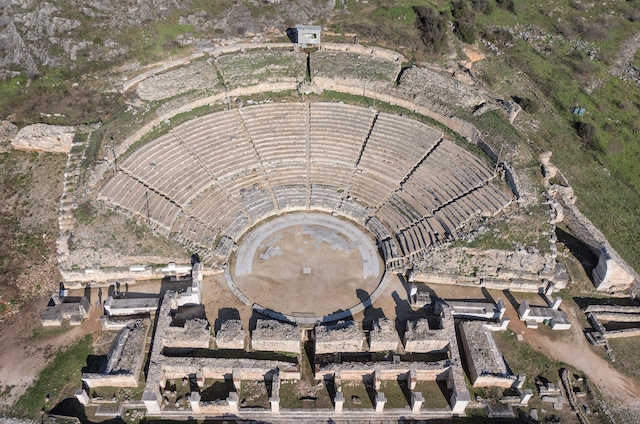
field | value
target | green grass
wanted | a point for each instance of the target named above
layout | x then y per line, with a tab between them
58	381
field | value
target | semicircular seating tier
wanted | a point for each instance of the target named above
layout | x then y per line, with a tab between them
210	179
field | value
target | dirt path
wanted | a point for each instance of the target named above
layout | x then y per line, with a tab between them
23	357
576	351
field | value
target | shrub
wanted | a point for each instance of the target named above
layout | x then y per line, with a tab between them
465	21
483	6
432	26
506	5
527	104
587	133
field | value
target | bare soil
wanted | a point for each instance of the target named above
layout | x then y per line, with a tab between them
335	282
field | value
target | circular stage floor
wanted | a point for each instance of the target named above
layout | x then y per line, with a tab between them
307	263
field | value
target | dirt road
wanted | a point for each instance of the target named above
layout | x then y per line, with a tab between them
576	351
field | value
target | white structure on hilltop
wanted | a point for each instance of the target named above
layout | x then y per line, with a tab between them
308	36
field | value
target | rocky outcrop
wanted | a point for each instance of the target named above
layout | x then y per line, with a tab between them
44	138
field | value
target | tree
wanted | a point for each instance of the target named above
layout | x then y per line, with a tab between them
432	26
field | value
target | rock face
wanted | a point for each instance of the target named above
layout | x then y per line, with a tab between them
196	76
44	138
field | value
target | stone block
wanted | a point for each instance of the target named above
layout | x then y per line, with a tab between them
82	397
339	403
194	402
44	138
416	402
381	400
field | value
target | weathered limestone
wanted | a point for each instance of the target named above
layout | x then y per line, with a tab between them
383	336
275	336
194	402
486	364
230	335
134	306
344	336
82	396
338	402
44	138
195	334
557	319
61	309
125	359
7	132
416	402
274	399
420	338
381	400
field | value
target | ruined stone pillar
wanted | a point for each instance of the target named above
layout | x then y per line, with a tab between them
416	402
232	400
151	401
413	379
459	401
337	380
520	381
83	397
235	375
194	402
525	395
275	405
377	378
524	310
501	308
380	401
200	378
556	303
339	403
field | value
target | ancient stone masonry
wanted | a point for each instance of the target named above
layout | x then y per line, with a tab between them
419	337
259	66
162	367
344	336
366	67
125	359
65	308
612	272
200	76
275	336
383	336
196	334
230	335
422	371
486	363
44	138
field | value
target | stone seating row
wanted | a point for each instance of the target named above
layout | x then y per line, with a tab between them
331	175
370	189
213	208
128	193
169	168
486	201
377	228
190	230
439	179
354	209
290	196
221	142
257	202
397	213
338	131
325	197
420	236
279	131
287	174
396	145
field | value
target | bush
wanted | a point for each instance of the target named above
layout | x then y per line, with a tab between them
527	104
592	32
432	26
506	5
587	133
465	21
483	6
